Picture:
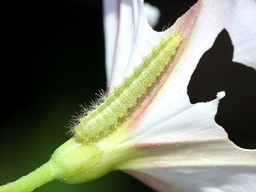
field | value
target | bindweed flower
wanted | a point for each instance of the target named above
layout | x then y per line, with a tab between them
146	126
183	147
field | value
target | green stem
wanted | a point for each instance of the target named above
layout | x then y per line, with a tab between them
40	176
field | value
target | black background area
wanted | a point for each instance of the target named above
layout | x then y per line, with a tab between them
217	72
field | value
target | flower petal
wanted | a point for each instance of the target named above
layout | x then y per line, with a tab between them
111	17
152	14
202	166
169	115
207	179
128	39
180	143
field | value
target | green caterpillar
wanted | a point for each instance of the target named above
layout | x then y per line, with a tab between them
105	118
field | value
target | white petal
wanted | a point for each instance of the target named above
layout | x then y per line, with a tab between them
111	17
203	166
128	38
207	179
182	146
170	116
152	14
187	123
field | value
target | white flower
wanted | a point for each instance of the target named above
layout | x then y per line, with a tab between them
182	147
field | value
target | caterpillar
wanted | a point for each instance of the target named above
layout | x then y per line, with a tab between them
105	118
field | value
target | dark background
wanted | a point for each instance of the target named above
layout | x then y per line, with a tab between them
52	60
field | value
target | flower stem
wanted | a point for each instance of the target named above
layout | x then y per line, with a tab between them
40	176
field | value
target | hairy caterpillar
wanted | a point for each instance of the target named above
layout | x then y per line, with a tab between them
104	119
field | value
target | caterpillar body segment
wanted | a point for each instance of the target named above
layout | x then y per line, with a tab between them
104	119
